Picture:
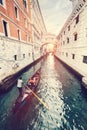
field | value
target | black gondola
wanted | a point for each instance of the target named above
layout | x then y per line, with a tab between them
21	101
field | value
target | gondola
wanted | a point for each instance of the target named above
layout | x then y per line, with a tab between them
22	101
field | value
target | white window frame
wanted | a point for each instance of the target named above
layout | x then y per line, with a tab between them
17	12
4	4
8	29
19	34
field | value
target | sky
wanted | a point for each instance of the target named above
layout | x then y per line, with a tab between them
55	14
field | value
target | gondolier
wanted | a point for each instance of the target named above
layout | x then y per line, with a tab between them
20	85
28	93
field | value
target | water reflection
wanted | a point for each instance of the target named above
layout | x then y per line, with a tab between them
62	91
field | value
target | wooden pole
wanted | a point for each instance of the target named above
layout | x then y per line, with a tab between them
39	99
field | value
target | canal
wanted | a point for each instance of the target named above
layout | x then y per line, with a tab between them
60	90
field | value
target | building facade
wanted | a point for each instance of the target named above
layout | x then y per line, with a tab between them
76	2
38	27
16	40
15	17
72	39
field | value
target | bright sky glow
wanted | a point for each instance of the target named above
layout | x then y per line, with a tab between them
55	13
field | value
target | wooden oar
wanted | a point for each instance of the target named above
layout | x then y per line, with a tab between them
39	98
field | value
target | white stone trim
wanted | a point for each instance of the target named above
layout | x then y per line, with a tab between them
12	21
4	4
22	10
2	34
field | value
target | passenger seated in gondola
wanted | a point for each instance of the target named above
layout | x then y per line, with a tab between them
31	82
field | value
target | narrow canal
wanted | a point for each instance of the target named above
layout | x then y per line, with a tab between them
60	90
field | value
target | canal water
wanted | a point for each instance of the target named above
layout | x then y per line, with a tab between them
60	90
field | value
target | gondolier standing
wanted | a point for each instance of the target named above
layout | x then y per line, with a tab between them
20	85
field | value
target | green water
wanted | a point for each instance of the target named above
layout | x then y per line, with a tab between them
60	90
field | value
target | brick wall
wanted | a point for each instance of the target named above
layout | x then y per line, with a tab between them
7	13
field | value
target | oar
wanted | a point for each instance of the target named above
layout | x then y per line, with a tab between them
39	98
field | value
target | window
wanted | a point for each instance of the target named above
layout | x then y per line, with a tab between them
25	3
16	12
29	54
18	34
63	42
64	32
23	55
73	56
15	57
26	38
66	54
5	28
29	39
25	22
75	37
28	26
67	40
77	19
81	5
85	59
1	2
69	28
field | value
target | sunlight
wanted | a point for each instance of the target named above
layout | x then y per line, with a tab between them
51	47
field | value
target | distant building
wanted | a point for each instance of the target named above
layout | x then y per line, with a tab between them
49	42
72	39
38	27
76	2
